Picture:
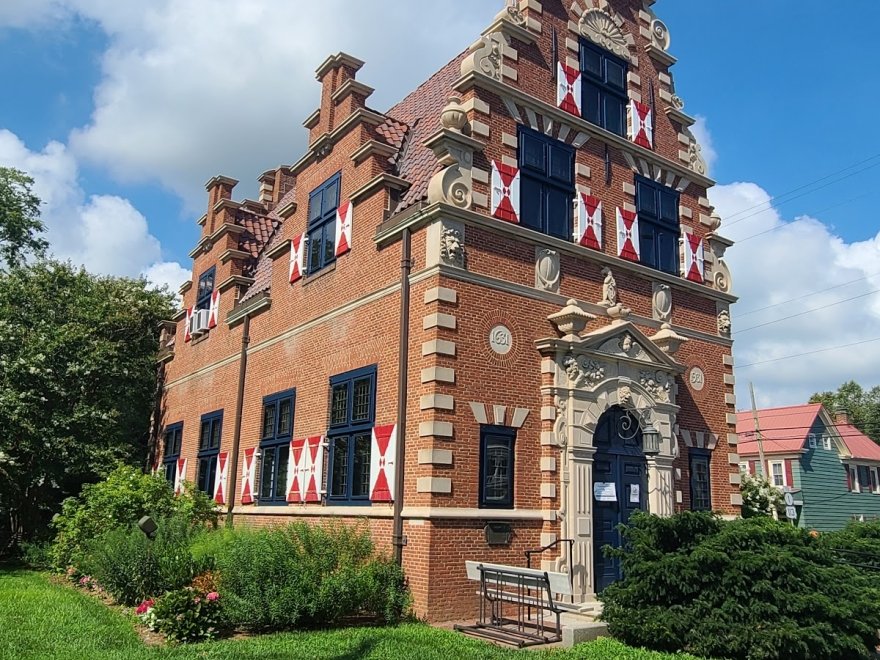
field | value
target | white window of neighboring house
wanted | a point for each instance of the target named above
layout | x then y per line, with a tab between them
826	442
853	479
812	438
744	467
777	470
875	481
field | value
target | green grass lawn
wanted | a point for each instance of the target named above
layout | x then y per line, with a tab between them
39	619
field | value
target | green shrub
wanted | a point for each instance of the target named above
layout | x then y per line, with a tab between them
304	575
117	502
186	615
754	588
131	567
37	555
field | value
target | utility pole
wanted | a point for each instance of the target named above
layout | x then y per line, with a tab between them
758	433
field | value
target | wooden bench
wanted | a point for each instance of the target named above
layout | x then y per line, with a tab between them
521	590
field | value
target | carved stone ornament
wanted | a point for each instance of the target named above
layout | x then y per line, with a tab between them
583	371
662	302
677	102
660	34
668	340
452	251
624	394
724	323
571	320
547	269
453	115
486	56
696	162
600	27
721	276
513	14
609	289
656	383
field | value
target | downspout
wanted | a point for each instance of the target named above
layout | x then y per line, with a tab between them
397	537
239	405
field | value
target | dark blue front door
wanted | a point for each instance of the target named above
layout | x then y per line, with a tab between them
620	484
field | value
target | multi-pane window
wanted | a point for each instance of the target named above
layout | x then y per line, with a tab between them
171	450
275	436
546	183
812	440
777	473
496	467
875	482
322	224
603	85
657	206
210	431
826	442
853	478
206	288
865	479
701	498
352	415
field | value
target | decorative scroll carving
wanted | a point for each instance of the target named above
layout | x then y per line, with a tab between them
696	162
452	251
600	27
547	269
660	34
515	16
583	371
656	383
486	56
662	302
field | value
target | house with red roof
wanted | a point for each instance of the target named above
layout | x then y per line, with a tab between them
492	318
829	465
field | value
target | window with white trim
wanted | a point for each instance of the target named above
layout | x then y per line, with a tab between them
826	442
812	440
853	479
743	467
777	472
875	481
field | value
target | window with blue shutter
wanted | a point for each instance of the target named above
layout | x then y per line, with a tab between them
603	86
496	466
657	206
546	183
323	202
206	288
171	452
350	435
275	437
210	433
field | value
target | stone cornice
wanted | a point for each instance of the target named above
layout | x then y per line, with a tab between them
221	179
477	79
383	180
388	232
255	305
337	60
351	86
312	120
287	210
370	148
327	140
186	286
225	228
233	254
279	249
233	280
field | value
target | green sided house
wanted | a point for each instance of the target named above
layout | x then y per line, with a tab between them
827	463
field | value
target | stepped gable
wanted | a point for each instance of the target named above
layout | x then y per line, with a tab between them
263	268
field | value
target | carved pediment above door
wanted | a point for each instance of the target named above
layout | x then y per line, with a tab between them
624	341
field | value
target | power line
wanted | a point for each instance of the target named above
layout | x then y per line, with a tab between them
820	350
777	198
806	295
809	311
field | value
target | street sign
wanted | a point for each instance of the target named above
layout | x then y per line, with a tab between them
789	500
790	512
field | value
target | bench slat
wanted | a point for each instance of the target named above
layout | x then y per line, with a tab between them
517	575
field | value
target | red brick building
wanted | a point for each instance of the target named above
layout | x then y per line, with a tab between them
501	301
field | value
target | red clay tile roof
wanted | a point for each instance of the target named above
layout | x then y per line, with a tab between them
420	110
408	124
784	429
860	446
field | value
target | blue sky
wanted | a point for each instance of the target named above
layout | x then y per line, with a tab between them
117	113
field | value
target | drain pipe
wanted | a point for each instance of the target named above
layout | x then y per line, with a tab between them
397	537
239	405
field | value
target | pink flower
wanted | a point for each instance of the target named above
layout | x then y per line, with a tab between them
213	596
144	607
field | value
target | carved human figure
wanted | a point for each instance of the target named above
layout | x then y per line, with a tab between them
609	289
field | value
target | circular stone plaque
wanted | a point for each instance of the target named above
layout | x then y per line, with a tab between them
697	379
500	339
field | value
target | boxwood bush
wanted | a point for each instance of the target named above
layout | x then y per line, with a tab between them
754	589
302	575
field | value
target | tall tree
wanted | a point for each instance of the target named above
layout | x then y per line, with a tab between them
77	376
863	406
20	224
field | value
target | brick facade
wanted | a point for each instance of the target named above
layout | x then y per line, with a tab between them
425	168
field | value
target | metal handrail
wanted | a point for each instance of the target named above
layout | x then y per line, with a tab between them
549	546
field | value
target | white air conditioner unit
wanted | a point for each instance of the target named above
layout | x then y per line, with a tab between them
199	322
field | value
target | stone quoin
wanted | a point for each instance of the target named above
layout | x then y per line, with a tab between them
510	286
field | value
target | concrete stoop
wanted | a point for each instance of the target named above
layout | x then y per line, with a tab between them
582	626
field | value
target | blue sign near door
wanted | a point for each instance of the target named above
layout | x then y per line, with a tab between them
619	487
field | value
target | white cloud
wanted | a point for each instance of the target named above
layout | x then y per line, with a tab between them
193	88
700	129
168	274
798	257
104	233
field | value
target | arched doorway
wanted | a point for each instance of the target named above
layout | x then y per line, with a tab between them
619	484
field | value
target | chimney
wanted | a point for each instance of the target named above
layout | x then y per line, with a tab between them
341	94
219	188
841	415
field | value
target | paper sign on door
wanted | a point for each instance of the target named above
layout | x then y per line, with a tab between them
605	491
634	493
